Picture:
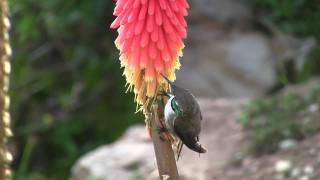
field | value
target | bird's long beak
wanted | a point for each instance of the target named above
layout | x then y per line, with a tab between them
170	82
163	93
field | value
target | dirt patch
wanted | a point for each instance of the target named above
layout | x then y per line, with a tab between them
227	143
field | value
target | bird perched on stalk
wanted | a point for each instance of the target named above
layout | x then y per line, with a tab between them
183	118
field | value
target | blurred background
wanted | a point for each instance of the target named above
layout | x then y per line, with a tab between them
67	89
68	94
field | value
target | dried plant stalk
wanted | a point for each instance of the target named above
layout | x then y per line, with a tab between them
166	163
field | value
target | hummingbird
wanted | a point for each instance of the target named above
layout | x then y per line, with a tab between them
183	117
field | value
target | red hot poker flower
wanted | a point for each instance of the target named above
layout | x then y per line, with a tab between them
150	40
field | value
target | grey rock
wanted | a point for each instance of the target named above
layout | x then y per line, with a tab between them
313	108
129	158
287	144
222	10
251	55
283	166
237	64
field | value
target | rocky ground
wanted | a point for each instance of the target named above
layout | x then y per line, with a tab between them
131	157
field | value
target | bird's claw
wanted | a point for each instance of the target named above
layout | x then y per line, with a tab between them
162	130
165	135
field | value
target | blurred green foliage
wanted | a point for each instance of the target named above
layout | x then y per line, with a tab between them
299	18
67	89
277	118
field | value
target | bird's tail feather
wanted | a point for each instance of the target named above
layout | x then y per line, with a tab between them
194	145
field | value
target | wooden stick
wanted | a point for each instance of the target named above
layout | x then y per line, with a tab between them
167	167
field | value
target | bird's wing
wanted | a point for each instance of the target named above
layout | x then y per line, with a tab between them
185	133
